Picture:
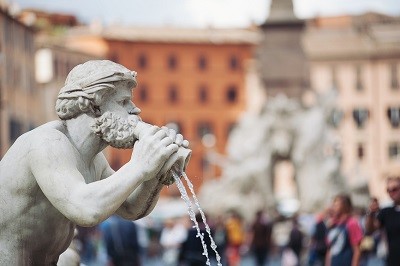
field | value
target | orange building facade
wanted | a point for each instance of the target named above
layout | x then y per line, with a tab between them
192	80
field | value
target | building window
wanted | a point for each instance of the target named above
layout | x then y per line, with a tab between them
203	129
143	93
204	163
359	83
173	96
360	151
394	80
142	61
336	117
203	94
360	116
231	94
233	63
15	129
202	62
172	62
393	114
394	150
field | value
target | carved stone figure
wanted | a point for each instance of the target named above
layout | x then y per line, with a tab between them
283	130
56	177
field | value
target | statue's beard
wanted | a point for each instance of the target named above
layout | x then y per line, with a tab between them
115	130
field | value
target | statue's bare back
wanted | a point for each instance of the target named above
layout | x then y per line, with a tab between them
33	222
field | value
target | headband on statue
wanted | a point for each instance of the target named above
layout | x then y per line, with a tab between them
86	86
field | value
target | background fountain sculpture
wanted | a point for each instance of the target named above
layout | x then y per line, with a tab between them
284	129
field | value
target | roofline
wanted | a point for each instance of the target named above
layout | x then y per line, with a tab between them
172	35
5	12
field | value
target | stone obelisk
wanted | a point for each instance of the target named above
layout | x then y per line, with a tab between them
282	63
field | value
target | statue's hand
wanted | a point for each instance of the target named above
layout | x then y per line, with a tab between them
152	150
178	138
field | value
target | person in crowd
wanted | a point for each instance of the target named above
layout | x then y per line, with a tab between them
172	236
88	238
143	235
236	237
192	251
296	238
121	241
370	242
154	250
261	237
318	246
344	235
388	219
220	236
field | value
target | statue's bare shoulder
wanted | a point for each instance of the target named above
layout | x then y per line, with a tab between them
52	131
38	140
47	148
55	133
46	132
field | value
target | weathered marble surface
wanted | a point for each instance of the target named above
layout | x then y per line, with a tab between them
55	177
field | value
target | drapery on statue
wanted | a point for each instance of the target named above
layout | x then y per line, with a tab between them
56	177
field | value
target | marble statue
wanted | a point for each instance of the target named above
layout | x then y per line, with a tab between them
55	176
284	129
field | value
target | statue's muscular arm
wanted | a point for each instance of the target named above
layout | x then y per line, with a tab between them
141	201
54	163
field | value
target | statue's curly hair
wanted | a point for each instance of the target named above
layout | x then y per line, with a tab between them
75	99
72	107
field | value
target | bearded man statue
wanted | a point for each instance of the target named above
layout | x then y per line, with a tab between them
56	177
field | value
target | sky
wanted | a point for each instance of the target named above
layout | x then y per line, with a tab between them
200	13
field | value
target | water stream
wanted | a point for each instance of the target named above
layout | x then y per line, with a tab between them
192	214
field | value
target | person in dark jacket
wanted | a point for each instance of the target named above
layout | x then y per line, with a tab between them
261	238
121	240
192	252
318	245
388	219
296	237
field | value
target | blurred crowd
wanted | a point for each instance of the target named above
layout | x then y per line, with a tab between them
338	235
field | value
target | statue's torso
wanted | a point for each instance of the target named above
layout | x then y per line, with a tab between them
31	228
